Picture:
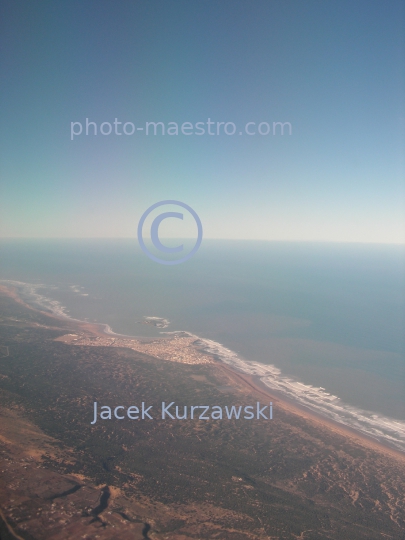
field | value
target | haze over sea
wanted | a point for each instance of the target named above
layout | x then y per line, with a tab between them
322	323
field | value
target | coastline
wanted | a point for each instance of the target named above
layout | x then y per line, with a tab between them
250	383
97	329
253	384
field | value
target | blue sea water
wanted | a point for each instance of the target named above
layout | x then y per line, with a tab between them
327	316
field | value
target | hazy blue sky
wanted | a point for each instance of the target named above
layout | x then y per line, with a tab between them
333	69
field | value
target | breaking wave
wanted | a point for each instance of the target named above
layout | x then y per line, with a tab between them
29	293
317	399
159	322
379	427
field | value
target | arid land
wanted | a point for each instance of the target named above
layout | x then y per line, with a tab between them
295	477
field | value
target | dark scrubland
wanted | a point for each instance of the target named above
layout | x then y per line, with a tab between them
288	478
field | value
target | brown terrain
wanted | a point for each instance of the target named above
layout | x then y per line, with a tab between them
296	477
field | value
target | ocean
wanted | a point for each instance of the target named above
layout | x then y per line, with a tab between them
321	323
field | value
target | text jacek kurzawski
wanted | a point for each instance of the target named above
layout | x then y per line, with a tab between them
171	411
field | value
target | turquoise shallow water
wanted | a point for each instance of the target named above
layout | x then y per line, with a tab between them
328	315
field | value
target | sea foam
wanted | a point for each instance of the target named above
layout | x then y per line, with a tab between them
317	399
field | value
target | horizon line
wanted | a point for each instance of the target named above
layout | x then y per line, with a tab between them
295	241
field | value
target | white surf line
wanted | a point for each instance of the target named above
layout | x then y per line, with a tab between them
41	302
29	290
317	399
377	426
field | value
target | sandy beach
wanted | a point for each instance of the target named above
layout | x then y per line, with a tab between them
253	384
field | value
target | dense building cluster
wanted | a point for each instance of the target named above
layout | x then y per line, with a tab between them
175	349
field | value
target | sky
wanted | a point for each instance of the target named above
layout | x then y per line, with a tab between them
333	70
